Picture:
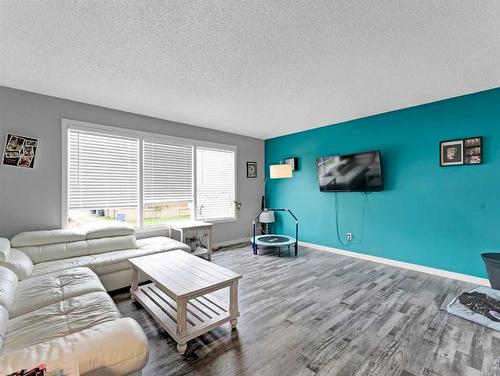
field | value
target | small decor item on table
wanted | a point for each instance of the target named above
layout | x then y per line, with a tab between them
467	151
251	170
19	151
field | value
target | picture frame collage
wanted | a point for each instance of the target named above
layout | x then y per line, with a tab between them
19	151
467	151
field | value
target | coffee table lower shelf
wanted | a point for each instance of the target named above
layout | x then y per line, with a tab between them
203	313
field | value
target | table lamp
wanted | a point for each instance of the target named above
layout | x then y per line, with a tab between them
265	218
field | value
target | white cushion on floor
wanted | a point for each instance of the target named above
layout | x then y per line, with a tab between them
38	292
19	263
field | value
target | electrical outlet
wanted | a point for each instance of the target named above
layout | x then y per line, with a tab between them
349	236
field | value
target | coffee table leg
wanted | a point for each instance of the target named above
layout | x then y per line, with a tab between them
233	302
181	349
134	286
181	325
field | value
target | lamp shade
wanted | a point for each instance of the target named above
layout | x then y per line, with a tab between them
280	171
266	216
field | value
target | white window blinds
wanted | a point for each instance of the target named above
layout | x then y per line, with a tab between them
168	173
215	190
103	170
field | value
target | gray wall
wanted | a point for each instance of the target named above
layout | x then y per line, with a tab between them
31	199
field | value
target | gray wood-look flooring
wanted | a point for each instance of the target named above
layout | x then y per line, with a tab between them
325	314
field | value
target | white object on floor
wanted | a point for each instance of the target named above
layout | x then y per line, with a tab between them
458	309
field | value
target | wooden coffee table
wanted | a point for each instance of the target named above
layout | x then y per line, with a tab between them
179	296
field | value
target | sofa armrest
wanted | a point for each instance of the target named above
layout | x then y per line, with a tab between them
117	347
4	248
19	262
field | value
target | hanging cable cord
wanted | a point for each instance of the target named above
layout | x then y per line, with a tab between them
363	215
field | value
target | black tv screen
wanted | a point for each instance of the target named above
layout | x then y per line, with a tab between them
360	172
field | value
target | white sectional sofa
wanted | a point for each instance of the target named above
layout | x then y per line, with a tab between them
105	250
54	304
66	315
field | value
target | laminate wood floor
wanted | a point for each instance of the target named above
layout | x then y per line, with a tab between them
325	314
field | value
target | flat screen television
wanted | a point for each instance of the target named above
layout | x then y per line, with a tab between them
361	172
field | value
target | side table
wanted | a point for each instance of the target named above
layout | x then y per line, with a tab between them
183	227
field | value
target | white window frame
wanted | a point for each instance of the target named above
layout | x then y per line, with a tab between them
141	135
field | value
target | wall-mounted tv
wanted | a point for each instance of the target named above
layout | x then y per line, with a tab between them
361	172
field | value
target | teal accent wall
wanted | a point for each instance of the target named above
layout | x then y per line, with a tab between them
441	217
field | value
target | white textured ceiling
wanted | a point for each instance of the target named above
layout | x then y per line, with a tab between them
258	68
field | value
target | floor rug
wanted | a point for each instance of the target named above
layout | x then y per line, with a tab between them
458	309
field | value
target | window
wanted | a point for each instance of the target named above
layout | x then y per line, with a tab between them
144	179
103	176
215	184
168	183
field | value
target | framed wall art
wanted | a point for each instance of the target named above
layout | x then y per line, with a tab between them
251	170
19	151
468	151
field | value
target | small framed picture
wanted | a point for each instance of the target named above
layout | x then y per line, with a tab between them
452	153
292	161
251	170
473	142
473	159
473	150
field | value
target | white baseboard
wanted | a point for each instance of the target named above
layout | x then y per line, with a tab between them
401	264
230	242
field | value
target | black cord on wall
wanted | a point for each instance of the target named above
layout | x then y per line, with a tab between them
363	215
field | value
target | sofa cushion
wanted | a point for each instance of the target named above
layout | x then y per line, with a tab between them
4	248
49	252
110	262
38	292
116	347
59	319
19	263
8	284
98	230
59	265
29	238
114	243
159	243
